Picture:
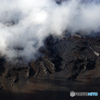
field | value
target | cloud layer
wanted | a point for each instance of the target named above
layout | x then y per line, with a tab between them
24	24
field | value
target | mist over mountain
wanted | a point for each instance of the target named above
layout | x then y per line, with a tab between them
25	24
49	48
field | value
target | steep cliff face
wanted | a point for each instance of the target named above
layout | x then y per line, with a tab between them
66	62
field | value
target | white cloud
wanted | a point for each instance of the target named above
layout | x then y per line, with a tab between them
24	24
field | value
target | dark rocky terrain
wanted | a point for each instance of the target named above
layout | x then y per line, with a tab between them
67	64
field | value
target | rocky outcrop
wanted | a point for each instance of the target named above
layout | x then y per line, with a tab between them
70	59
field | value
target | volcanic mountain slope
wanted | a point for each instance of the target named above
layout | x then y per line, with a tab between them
66	61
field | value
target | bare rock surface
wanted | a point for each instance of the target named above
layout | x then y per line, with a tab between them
65	65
